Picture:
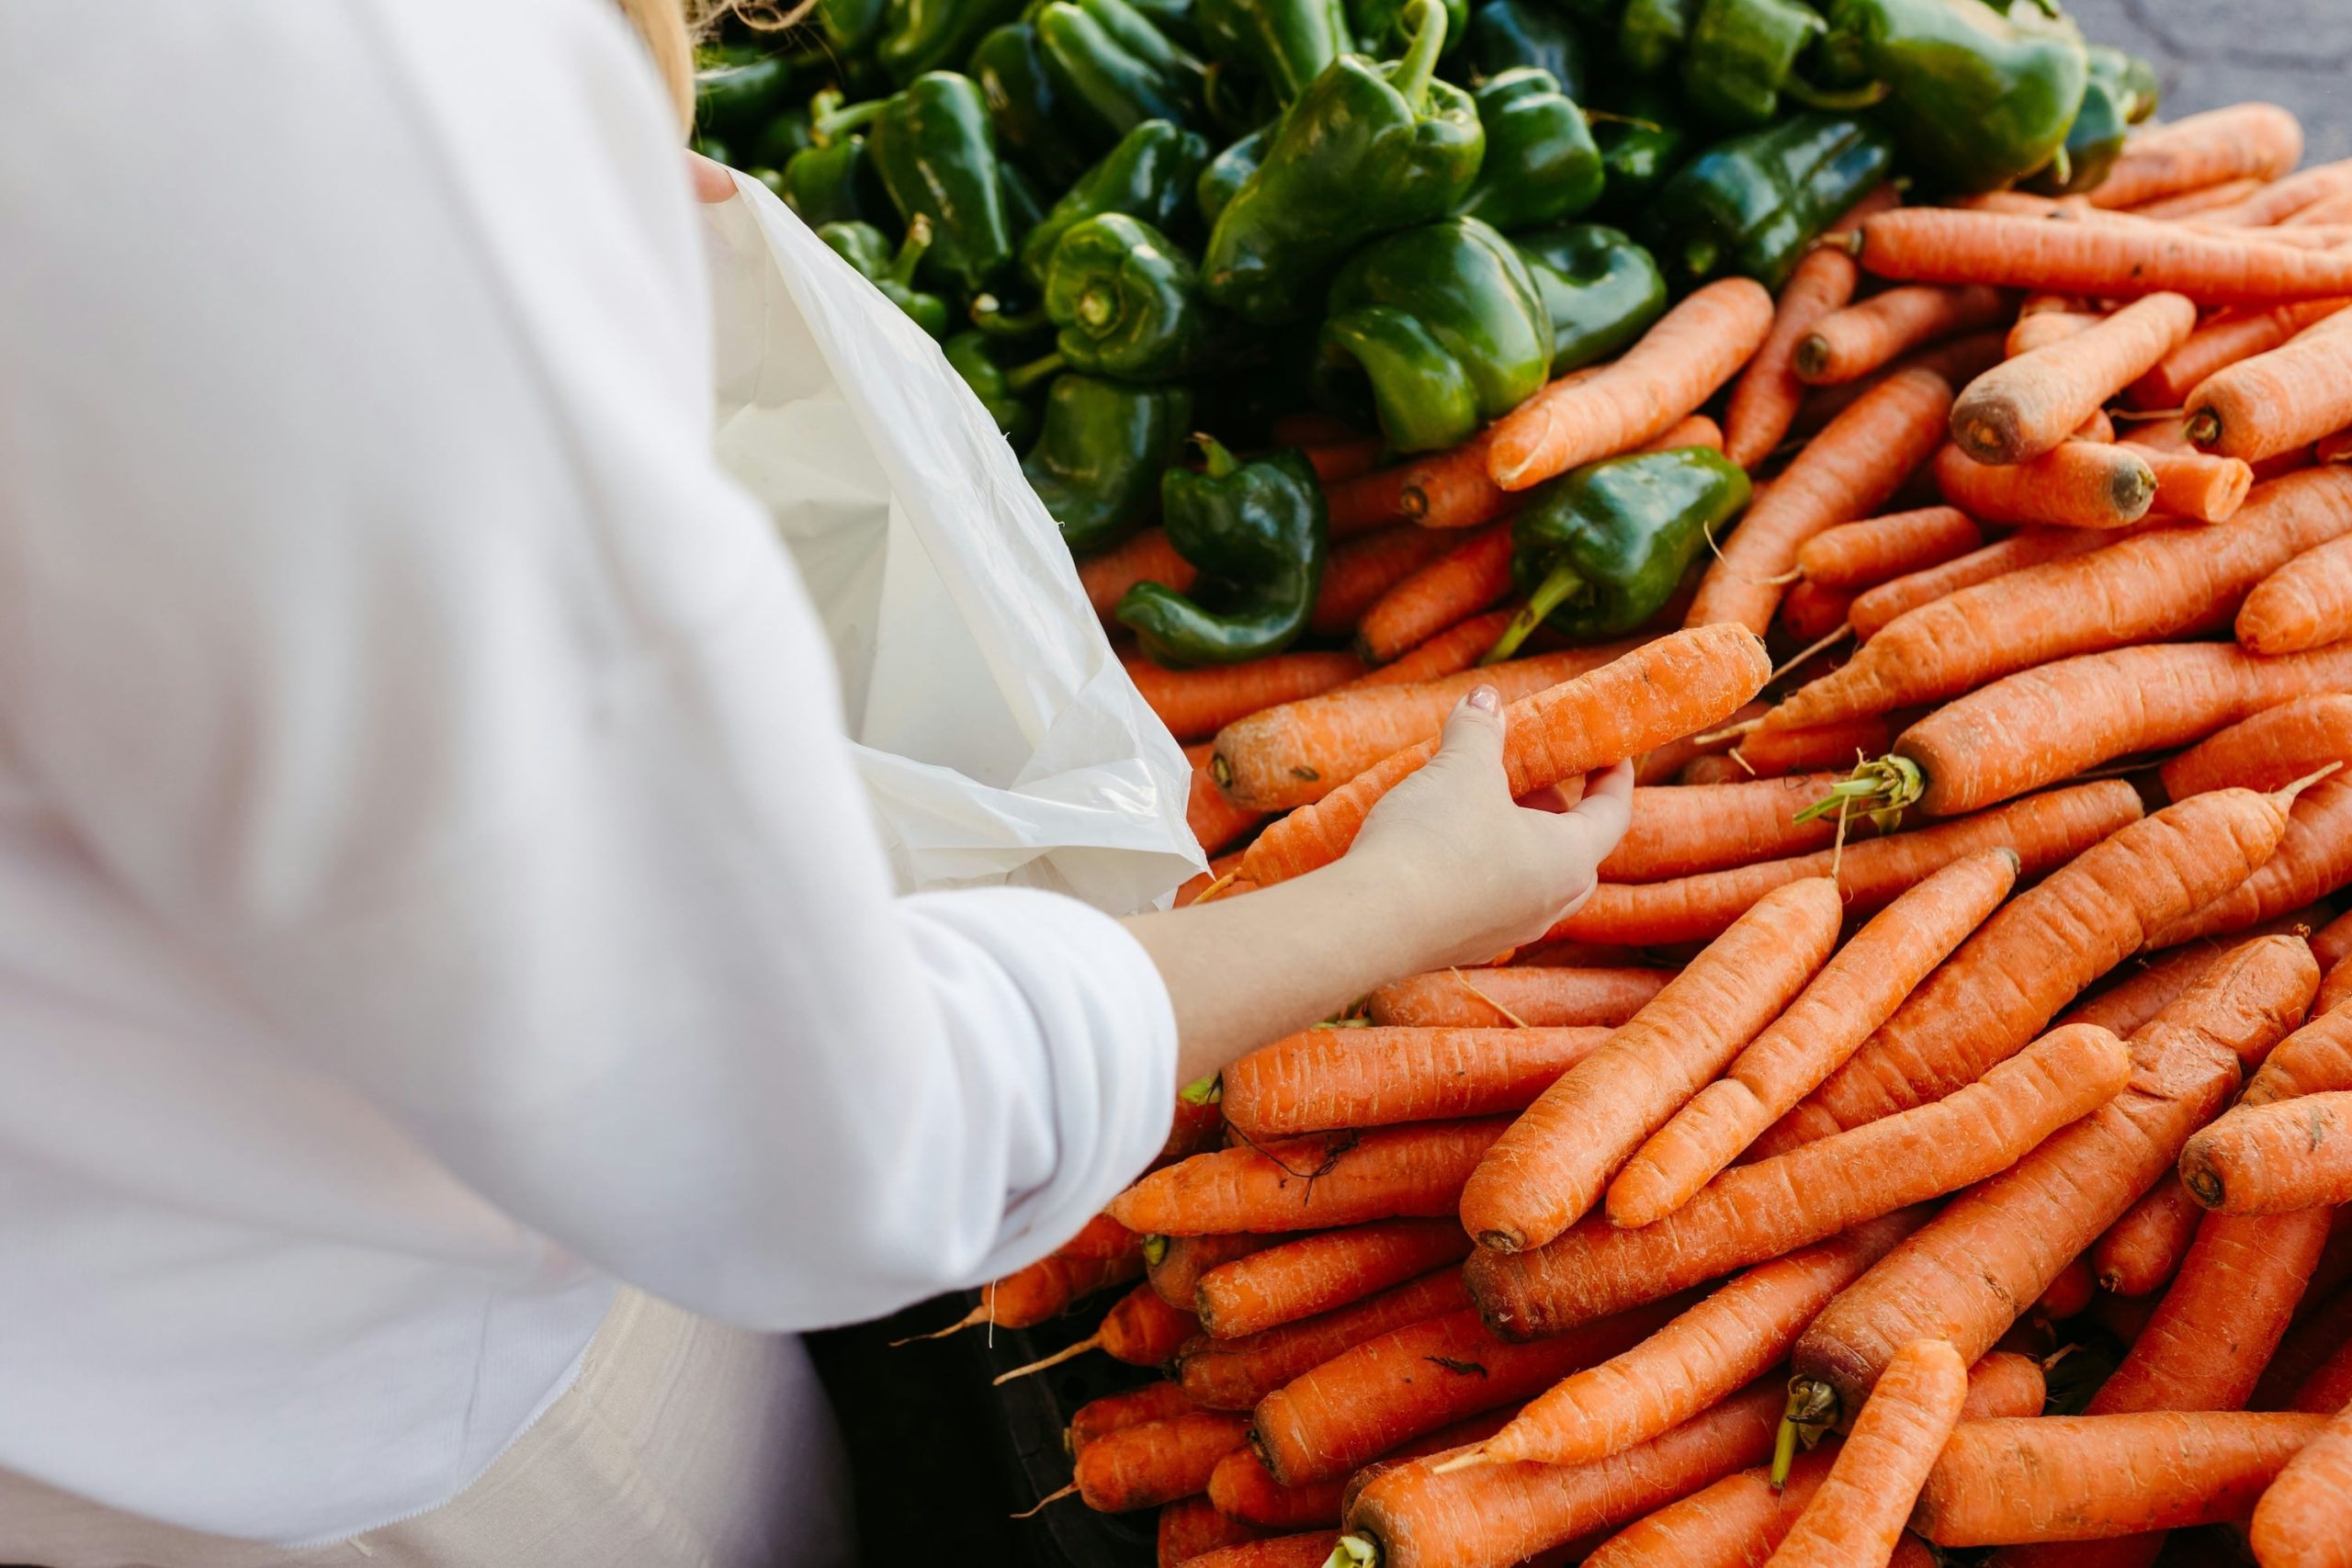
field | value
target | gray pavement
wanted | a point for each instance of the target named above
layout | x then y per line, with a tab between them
2297	53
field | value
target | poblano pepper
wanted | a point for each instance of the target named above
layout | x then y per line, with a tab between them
2121	92
1229	171
1003	390
1599	550
1024	207
1116	69
738	90
1640	129
1031	121
1541	164
786	136
1975	99
1651	33
868	250
1180	20
1384	29
1288	42
1098	461
937	153
1508	33
1742	54
1259	534
1149	175
1367	149
922	36
1447	325
851	26
835	179
1602	288
1128	302
1752	204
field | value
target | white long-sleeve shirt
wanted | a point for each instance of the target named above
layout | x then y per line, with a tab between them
431	884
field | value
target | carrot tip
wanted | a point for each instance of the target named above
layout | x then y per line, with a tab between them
1845	630
975	1315
1055	1360
1729	732
1042	1502
2300	784
1219	885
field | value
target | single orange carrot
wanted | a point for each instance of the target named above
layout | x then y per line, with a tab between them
2221	342
2303	604
2120	259
1874	610
1958	360
2314	1059
1695	430
1855	992
1678	831
2283	198
2273	748
1880	549
1047	1288
2141	1252
1146	557
1310	1549
1677	365
1516	998
1774	753
1112	1411
1846	472
1223	873
1809	612
1679	684
1191	1528
1216	821
1754	1212
2046	328
1358	571
2080	484
1174	1264
2277	402
1763	403
2319	1336
1306	1183
1440	490
1299	1278
1858	339
2314	857
1140	1329
2192	485
1234	1374
1345	459
1194	1129
1322	1080
1101	1236
1241	1487
2068	1295
2304	1519
2087	1477
1553	1165
1451	652
1735	1523
1861	1509
1196	703
2213	201
2046	830
2335	991
2246	141
2003	1383
2271	1159
2329	1386
1159	1461
1467	579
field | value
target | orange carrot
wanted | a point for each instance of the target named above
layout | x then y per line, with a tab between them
1241	1487
1101	1236
1858	339
2304	604
1310	1550
1663	764
1306	1183
1880	549
1345	459
1763	403
1753	1213
2273	748
1679	684
1322	1080
2277	402
1140	1329
1534	998
1677	365
2336	991
1493	1515
1300	1279
2120	259
2335	448
1875	610
1735	1523
2314	858
2283	198
1809	612
1194	1129
2246	141
2329	1387
2046	328
2221	342
1215	820
1847	471
1223	873
1112	1411
2166	583
1192	1527
1177	1262
1958	361
1774	753
1703	1356
1143	1466
2189	484
1196	703
2204	202
1467	579
1146	557
1450	652
1234	1374
2081	484
2271	1159
1047	1288
2068	1295
2003	1383
1358	571
1676	832
1997	1482
1388	1391
1855	992
2045	830
2315	1059
1861	1509
1297	754
2316	1341
1553	1165
2142	1251
2304	1519
1697	430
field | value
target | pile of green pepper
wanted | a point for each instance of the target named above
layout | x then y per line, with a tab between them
1124	218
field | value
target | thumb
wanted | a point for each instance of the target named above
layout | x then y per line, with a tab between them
1474	732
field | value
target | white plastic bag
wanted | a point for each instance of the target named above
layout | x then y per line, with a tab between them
998	737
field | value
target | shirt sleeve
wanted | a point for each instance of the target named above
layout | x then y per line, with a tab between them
371	604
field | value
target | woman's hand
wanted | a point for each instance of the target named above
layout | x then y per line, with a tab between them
714	181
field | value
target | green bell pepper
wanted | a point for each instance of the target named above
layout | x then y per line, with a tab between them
851	26
835	179
786	136
1446	324
2121	92
1097	463
867	249
1976	100
737	89
1599	550
1752	204
1115	69
1367	149
1031	122
1541	164
922	36
1003	390
1149	175
1602	288
1742	54
1229	171
1643	136
937	151
1507	33
1288	42
1651	33
1386	27
1128	302
1259	533
1025	206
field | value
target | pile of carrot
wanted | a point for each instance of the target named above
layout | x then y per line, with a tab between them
1937	1131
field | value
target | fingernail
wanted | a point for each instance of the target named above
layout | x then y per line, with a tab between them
1486	699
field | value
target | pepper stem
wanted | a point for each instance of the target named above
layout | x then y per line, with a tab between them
1220	459
828	119
902	269
1023	377
989	315
1419	68
1551	593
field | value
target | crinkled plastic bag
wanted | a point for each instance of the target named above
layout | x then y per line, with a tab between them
999	738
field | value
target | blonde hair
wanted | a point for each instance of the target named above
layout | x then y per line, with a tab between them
671	26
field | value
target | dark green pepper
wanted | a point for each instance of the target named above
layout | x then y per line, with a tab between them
1602	288
1447	324
737	89
1098	462
786	136
1149	175
1386	27
937	151
835	179
1640	129
1180	20
1259	533
922	36
1116	69
1002	389
1752	204
1025	206
1367	149
1508	33
2122	91
851	26
1288	42
1599	550
867	249
1128	303
1229	171
1976	99
1741	54
1651	33
1031	122
1541	164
